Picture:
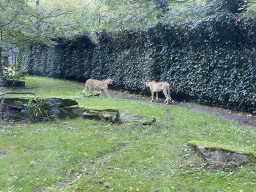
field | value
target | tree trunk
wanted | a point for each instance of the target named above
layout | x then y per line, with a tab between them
1	67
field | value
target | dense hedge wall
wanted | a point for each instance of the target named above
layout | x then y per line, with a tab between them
213	60
70	59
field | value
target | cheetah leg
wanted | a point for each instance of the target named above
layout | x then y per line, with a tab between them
90	89
152	96
85	87
166	97
107	93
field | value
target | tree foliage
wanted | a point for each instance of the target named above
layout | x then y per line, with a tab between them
10	12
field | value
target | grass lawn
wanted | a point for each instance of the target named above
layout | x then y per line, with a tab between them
89	155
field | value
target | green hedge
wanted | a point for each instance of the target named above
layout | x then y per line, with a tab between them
213	60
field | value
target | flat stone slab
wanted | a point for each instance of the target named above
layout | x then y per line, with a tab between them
221	156
90	94
60	102
105	114
99	113
144	120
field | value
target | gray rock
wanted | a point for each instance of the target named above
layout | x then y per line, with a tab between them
62	108
22	108
105	114
219	156
59	102
144	120
90	94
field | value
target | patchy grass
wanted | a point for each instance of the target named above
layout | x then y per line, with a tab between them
89	155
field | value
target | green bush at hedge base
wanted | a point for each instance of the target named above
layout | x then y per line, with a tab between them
212	60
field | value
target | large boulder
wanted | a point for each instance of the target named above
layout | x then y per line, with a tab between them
34	108
10	108
105	114
60	102
14	83
12	103
221	156
37	109
58	107
18	102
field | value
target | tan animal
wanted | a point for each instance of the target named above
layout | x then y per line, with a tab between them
98	85
157	87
